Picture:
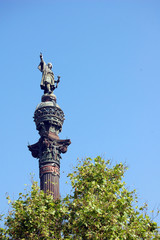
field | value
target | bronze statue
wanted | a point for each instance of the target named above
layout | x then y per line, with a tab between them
47	82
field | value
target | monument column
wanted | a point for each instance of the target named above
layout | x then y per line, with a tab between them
49	119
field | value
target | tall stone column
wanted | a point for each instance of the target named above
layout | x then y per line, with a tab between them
49	119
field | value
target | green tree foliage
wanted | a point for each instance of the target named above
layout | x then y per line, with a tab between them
99	207
34	216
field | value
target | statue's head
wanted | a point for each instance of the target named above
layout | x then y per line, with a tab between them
49	65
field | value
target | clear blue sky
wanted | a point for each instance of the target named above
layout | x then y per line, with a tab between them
108	55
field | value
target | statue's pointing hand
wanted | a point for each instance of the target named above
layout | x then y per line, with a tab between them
41	56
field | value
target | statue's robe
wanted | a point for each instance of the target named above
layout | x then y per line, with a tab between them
47	75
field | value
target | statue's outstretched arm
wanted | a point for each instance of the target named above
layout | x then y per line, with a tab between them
42	63
41	57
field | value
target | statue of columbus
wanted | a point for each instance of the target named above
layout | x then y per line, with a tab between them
47	82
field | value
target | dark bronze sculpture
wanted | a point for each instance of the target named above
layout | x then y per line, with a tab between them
49	119
47	82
